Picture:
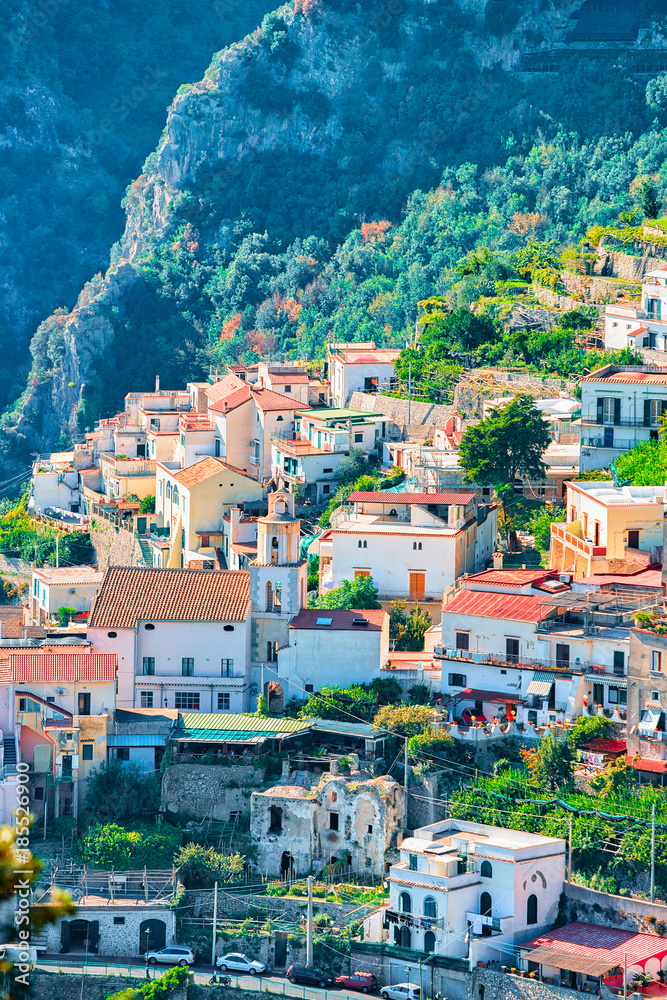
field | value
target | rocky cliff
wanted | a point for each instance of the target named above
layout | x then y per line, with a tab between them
331	112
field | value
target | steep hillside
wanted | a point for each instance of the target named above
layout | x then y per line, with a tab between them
242	234
83	91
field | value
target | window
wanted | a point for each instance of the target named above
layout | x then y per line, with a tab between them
417	545
123	753
149	627
656	660
486	871
531	910
370	828
608	410
119	920
429	943
228	628
412	862
462	640
309	688
275	820
326	489
405	903
175	496
430	907
168	491
403	938
358	438
361	574
188	666
159	486
87	751
325	471
146	699
223	701
333	821
35	587
485	904
149	666
457	680
619	663
512	650
272	651
288	388
84	703
39	793
112	635
187	699
227	668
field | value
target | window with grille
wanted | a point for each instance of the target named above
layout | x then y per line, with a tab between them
187	699
188	666
146	699
149	666
227	668
223	702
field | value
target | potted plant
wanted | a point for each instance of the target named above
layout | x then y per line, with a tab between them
641	980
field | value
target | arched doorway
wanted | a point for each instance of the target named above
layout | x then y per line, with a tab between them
79	936
152	935
287	866
485	908
275	697
429	942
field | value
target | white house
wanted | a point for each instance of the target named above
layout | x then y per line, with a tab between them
334	646
629	325
621	407
467	890
68	586
361	366
182	637
55	482
414	545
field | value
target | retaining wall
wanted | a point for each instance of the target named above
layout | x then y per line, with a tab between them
629	914
203	790
67	986
114	546
396	410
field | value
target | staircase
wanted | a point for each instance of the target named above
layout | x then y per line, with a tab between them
9	756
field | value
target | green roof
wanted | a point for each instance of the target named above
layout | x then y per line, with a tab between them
224	727
327	413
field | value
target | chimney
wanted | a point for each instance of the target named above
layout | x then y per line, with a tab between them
497	560
157	383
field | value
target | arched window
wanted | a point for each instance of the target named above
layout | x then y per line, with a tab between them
429	942
278	419
485	904
272	652
487	870
365	544
393	513
405	903
174	495
274	542
402	936
278	597
430	907
419	546
269	596
168	491
359	544
531	910
414	545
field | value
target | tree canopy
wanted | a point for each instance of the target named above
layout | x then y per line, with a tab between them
359	593
508	444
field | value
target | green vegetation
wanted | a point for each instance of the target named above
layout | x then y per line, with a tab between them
371	481
359	701
360	593
117	791
199	867
155	989
110	845
407	630
645	465
33	541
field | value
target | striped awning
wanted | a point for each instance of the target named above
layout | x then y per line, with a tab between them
618	682
540	684
588	964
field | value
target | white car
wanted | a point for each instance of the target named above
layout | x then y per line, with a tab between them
176	955
240	963
401	991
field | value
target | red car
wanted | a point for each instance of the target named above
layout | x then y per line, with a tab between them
469	715
363	981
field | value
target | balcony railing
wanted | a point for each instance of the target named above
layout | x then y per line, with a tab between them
618	444
415	919
580	544
591	417
500	660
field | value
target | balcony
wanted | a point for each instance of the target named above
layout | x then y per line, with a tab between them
586	548
414	919
591	417
487	925
618	444
498	660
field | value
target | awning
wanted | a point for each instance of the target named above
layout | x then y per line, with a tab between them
649	721
610	679
476	694
573	963
541	684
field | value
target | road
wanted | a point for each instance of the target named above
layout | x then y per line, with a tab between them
202	973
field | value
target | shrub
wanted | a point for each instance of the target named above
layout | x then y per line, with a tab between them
199	867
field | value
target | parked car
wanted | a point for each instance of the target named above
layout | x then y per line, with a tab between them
402	991
308	976
469	715
363	981
175	955
240	963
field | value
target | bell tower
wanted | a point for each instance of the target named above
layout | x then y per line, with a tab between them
278	590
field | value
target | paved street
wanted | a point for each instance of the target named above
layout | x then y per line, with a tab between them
202	973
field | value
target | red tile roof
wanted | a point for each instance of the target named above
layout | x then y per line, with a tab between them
602	745
130	594
27	668
231	400
227	385
437	498
648	764
342	619
645	578
602	944
203	470
656	377
511	577
522	608
267	399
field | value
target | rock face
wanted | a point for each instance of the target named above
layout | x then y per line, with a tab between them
288	90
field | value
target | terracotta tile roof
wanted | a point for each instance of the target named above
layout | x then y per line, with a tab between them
645	578
510	577
648	764
231	401
26	668
522	608
227	385
5	672
130	594
267	399
655	376
203	470
437	498
602	745
245	548
341	620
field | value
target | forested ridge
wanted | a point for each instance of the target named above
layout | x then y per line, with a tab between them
334	168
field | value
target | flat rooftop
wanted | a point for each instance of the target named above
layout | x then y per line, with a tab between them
621	496
450	834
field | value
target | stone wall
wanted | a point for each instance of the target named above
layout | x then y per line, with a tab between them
65	986
625	265
549	298
501	986
292	908
628	914
597	288
114	546
210	790
469	396
396	410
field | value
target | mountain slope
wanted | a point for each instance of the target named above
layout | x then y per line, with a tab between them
328	115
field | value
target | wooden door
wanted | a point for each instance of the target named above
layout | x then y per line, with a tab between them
417	586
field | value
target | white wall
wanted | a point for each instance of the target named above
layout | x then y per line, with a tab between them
390	558
55	489
76	595
341	657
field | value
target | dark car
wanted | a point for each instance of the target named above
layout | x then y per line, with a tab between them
308	976
363	981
